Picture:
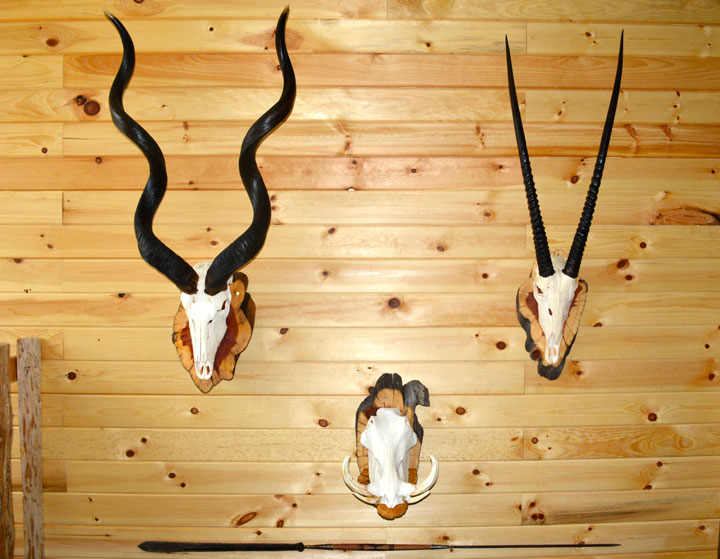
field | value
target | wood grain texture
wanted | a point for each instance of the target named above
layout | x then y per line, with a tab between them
320	478
399	239
336	412
603	38
332	139
260	445
363	310
576	10
89	10
639	540
422	343
319	242
30	414
238	35
265	377
7	523
402	70
288	172
500	206
31	71
361	275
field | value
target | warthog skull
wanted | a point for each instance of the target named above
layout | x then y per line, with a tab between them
209	304
555	288
392	450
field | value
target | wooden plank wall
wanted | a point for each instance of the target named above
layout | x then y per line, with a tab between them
399	238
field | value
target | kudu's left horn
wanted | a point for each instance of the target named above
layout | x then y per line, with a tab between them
211	327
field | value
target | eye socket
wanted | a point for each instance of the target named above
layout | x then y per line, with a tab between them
213	319
539	290
549	310
223	306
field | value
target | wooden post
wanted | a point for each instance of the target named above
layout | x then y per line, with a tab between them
7	522
30	413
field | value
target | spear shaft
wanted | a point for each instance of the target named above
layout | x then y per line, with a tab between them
177	547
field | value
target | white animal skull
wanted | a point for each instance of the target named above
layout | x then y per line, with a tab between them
207	315
554	295
389	438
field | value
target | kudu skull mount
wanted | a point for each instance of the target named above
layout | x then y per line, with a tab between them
388	439
214	321
550	302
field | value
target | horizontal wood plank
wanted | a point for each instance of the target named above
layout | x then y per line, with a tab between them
396	139
338	412
361	104
628	376
300	241
298	377
163	9
577	507
321	478
287	172
643	540
618	442
668	107
31	71
54	477
237	35
185	69
35	139
421	343
51	346
492	206
260	445
360	275
30	207
269	511
604	38
232	104
645	11
363	310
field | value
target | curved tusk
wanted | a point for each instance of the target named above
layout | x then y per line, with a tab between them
429	481
358	489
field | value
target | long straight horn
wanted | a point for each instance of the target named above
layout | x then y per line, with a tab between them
152	249
542	252
572	265
248	245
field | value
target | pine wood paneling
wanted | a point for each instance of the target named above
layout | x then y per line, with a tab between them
418	139
287	172
402	70
399	238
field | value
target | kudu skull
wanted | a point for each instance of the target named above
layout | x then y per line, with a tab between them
211	327
389	438
550	302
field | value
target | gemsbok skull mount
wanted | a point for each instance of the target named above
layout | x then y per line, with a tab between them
389	438
215	318
550	302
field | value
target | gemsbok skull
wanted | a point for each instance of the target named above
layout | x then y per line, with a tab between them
214	322
550	302
388	439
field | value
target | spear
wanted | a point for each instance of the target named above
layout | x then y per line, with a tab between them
177	547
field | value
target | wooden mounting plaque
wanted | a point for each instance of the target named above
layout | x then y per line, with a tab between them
239	322
527	312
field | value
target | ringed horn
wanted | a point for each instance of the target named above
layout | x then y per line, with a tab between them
243	249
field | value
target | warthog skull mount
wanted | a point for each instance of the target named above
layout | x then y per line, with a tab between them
550	302
214	321
389	438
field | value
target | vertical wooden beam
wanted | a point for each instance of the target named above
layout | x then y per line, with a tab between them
7	522
30	413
